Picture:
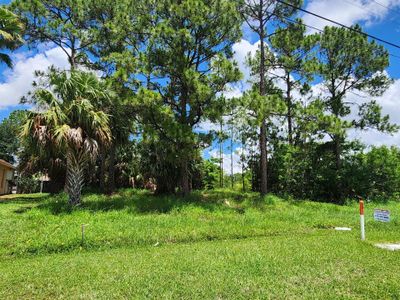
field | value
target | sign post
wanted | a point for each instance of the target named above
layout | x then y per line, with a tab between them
362	220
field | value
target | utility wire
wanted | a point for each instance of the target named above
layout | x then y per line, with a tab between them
297	22
320	30
367	10
339	24
387	7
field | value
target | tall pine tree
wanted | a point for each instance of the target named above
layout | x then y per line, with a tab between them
259	16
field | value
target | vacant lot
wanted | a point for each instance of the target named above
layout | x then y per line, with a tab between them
215	245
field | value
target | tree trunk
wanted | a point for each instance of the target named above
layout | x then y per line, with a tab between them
263	159
72	59
76	162
91	174
338	165
221	158
243	180
242	163
111	170
263	129
232	179
337	153
185	187
289	111
102	182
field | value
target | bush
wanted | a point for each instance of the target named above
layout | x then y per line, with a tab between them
28	184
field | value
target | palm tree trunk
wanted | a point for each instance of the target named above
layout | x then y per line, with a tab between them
76	162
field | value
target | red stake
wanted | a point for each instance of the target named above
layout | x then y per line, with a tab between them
362	220
361	207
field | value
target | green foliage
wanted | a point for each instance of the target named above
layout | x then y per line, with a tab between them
375	174
169	64
210	174
265	99
156	163
295	54
65	23
166	66
9	129
190	49
349	62
11	30
308	172
68	122
27	184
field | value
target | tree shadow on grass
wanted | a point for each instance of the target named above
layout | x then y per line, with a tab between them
144	202
24	199
23	209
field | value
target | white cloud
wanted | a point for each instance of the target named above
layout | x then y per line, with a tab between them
17	82
237	165
348	12
390	106
233	91
241	50
207	125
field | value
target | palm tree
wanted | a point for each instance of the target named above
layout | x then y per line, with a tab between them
67	119
11	29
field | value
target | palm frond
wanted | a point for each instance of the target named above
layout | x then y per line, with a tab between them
11	29
60	134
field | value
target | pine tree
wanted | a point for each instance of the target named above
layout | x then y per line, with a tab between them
349	63
259	14
188	56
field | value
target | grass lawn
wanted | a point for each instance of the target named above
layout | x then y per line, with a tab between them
218	245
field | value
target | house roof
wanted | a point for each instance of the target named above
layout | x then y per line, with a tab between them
6	164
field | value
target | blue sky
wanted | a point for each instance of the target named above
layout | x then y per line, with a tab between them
378	17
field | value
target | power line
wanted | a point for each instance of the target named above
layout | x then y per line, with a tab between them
302	23
339	24
309	26
367	10
356	5
387	7
320	30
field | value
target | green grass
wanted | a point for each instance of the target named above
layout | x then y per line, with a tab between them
217	244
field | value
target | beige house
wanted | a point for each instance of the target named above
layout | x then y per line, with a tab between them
6	173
